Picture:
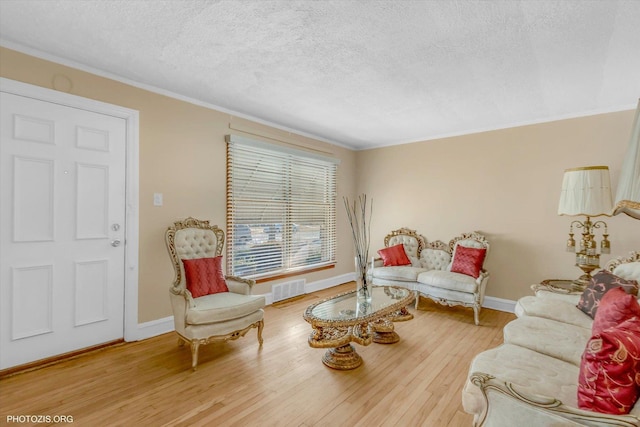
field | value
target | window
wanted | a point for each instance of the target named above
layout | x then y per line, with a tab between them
281	209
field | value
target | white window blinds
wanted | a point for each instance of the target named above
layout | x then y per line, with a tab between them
281	209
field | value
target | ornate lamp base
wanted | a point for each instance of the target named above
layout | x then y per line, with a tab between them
585	279
582	282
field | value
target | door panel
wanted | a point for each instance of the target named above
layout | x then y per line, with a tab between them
32	192
31	287
62	175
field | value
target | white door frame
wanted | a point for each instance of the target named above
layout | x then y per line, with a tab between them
131	118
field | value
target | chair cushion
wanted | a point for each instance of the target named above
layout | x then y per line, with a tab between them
394	256
204	276
405	273
448	280
468	261
208	330
609	380
223	306
600	283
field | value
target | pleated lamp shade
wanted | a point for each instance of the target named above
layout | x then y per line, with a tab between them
628	195
586	191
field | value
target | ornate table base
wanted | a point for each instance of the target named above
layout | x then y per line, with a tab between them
386	337
383	330
342	358
360	326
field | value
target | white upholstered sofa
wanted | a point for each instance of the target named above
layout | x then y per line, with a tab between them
533	377
429	273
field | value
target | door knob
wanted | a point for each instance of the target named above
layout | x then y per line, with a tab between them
115	242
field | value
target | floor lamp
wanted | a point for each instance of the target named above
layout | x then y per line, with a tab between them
586	191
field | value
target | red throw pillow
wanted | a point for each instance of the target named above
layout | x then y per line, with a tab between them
600	283
204	276
615	307
468	260
609	380
394	256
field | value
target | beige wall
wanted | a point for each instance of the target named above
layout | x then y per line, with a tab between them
183	156
505	184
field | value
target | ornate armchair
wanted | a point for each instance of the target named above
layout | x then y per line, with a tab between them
220	316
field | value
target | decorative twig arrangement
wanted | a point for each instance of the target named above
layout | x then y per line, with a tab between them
361	230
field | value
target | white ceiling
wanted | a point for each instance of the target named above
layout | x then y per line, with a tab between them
357	73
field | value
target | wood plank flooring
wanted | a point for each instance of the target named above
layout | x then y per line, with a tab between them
415	382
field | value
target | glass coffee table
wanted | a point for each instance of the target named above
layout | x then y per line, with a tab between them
346	318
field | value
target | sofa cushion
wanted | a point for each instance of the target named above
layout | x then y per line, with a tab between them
556	339
554	309
571	298
616	306
394	256
403	273
222	307
410	243
435	259
204	276
609	380
443	294
629	271
600	283
529	371
448	280
467	243
468	261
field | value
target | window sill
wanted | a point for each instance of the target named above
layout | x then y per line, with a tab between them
264	279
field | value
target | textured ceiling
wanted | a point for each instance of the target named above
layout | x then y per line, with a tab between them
358	73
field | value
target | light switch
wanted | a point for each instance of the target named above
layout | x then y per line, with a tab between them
157	199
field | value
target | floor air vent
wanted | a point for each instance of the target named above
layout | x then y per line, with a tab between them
287	290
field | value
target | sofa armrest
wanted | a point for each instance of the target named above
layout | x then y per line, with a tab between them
505	406
239	285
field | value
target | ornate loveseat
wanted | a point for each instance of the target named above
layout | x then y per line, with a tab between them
430	270
534	375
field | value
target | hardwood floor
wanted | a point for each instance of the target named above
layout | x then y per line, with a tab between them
415	382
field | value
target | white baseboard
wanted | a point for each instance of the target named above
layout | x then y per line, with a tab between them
499	304
151	329
164	325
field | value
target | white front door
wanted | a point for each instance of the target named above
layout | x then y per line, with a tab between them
62	229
